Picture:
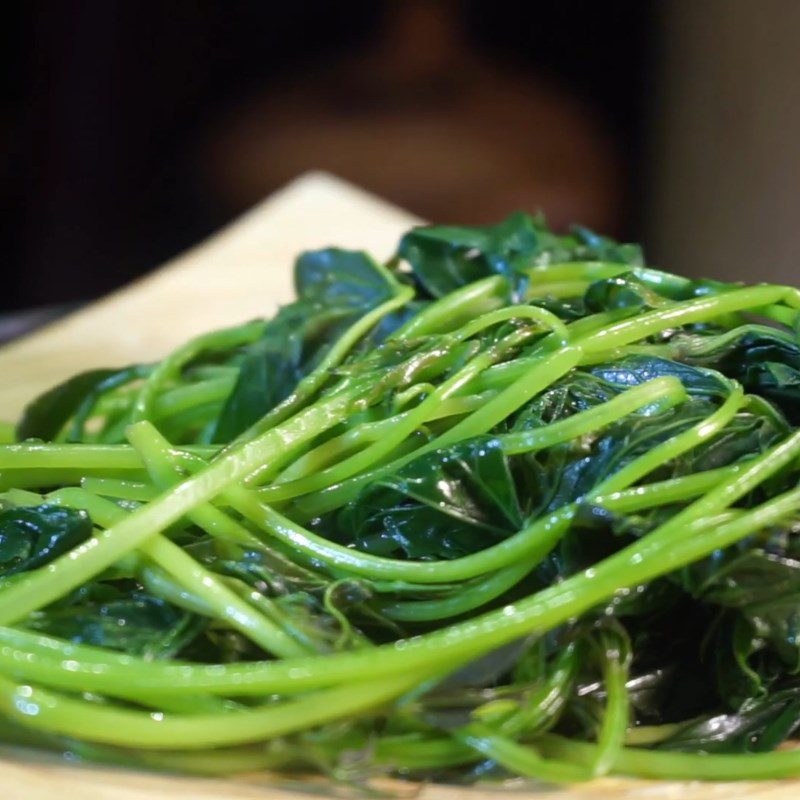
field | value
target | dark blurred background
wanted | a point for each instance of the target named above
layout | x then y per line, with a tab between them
129	130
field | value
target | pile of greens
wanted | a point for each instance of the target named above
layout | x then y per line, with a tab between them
512	504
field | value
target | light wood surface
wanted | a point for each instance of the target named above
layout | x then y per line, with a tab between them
241	273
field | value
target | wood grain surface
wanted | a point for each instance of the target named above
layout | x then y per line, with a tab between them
243	272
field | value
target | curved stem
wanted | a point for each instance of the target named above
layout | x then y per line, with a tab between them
520	759
532	543
665	392
40	709
317	378
40	587
450	311
224	603
468	598
540	374
634	565
684	313
171	366
666	765
545	318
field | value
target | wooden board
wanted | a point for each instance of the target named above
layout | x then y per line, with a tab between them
242	272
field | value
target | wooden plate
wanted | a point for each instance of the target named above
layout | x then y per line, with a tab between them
240	273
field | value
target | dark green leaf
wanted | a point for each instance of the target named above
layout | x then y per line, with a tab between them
634	370
759	726
32	536
441	505
335	288
132	623
445	258
46	416
765	360
335	278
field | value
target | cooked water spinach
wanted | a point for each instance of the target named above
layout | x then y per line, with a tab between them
511	504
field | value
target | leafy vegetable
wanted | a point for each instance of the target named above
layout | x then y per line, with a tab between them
131	623
334	287
45	418
443	505
514	503
445	258
31	537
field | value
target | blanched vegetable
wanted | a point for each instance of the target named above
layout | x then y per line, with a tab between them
513	503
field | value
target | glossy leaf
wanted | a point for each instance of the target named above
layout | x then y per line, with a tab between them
46	416
135	624
334	278
32	536
335	287
441	505
445	258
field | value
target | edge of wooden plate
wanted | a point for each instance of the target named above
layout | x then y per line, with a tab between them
238	273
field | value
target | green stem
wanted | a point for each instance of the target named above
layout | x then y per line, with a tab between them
617	711
557	289
531	544
94	669
40	587
193	577
683	313
519	759
183	398
540	374
666	765
467	599
170	367
632	566
317	378
582	271
369	455
354	439
40	709
545	318
672	448
8	433
665	392
455	308
120	489
156	454
81	456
